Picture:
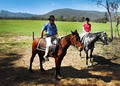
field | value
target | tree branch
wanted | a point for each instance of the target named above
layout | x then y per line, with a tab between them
103	5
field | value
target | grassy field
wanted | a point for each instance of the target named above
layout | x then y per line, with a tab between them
26	27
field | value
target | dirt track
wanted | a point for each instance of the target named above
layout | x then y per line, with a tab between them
14	63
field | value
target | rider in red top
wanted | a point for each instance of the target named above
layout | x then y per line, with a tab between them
87	26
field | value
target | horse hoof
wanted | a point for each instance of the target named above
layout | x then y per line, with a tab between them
81	57
87	66
30	70
43	61
42	70
59	77
91	64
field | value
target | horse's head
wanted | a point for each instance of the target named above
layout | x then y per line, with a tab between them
75	40
103	38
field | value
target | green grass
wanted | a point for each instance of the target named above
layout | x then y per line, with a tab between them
26	27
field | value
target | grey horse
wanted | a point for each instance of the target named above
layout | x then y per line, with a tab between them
88	42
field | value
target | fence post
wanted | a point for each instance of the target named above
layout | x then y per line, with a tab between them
33	36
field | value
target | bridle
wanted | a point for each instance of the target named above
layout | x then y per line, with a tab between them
75	44
101	36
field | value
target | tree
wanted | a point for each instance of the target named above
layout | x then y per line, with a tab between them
73	19
60	18
117	20
109	5
102	20
106	17
81	19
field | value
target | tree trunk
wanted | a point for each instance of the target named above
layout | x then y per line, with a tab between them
117	24
110	19
111	27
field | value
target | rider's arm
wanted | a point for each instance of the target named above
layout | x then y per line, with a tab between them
42	33
56	31
90	27
83	29
43	29
57	34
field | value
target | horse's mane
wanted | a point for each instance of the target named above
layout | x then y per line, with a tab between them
64	36
98	32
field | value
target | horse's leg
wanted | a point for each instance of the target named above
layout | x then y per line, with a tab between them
58	65
80	55
41	59
86	51
91	62
31	60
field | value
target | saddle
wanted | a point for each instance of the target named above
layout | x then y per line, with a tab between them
83	36
42	45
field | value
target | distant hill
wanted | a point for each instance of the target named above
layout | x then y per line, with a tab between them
4	13
78	13
59	12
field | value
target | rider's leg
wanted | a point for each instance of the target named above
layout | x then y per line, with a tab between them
48	44
82	34
56	43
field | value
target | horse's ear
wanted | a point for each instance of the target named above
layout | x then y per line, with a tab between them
72	32
76	31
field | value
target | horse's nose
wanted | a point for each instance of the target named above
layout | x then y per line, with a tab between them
80	48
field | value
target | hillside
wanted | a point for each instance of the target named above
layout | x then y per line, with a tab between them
78	13
4	13
66	13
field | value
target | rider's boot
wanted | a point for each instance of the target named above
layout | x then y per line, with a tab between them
46	55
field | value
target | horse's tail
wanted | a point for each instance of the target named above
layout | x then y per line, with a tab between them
34	44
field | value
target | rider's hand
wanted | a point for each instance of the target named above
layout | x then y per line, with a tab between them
41	37
57	35
42	34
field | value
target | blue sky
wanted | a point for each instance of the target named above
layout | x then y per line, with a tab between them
44	6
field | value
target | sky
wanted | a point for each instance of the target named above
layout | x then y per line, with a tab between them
45	6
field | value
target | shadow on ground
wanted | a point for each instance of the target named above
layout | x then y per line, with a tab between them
10	75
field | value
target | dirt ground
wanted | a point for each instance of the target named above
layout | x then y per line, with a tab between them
15	55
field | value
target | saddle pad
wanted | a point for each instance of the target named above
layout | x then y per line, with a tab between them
41	44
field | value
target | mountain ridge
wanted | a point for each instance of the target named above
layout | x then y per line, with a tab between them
4	13
66	12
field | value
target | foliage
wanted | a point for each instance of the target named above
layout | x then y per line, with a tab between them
102	20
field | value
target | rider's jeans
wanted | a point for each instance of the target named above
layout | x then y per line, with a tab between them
83	34
48	44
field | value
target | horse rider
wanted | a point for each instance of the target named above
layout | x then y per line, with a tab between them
51	31
86	28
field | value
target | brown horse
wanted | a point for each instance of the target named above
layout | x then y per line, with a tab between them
65	42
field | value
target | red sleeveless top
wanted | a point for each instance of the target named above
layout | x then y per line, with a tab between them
87	27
